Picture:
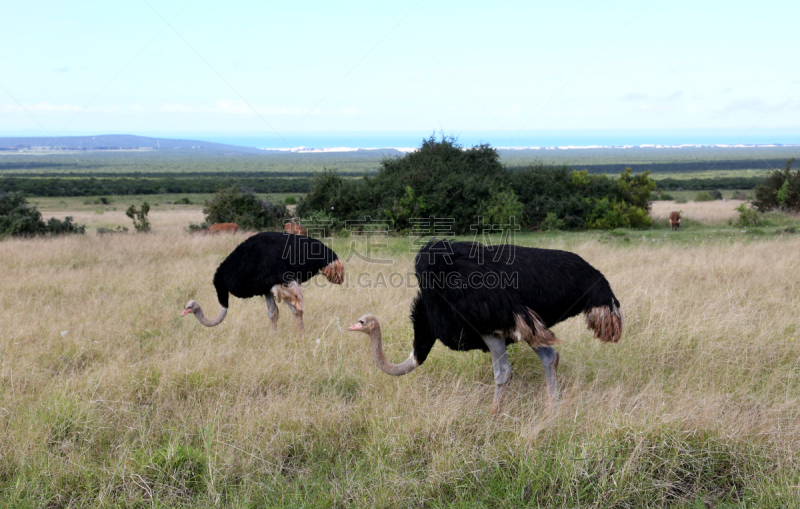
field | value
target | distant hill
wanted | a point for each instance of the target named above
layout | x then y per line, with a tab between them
117	142
112	142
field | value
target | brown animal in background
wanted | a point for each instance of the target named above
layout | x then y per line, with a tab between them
292	227
675	220
223	228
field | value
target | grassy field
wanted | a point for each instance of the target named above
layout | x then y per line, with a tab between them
108	398
164	212
710	174
718	159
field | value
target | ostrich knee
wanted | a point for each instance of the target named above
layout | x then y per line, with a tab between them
501	368
272	312
549	357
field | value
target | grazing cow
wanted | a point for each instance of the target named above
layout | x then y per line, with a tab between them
223	228
292	227
675	220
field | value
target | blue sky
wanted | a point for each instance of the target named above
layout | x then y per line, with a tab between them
261	67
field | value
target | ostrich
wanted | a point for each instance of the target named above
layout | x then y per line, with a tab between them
272	264
476	297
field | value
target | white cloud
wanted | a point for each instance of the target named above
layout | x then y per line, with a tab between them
43	107
240	107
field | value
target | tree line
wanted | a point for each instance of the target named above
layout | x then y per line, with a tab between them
100	186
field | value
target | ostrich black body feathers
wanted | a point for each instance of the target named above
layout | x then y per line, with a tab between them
468	291
268	259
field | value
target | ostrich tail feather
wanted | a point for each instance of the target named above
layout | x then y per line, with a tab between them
606	322
334	271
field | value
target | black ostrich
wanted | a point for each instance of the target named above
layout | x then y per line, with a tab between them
273	264
476	297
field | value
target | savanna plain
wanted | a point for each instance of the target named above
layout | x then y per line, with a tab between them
108	398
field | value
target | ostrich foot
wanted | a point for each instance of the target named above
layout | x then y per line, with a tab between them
501	368
549	357
499	395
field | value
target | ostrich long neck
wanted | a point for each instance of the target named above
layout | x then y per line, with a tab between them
380	359
210	323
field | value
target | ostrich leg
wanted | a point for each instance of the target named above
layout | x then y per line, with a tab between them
272	312
501	368
549	357
298	315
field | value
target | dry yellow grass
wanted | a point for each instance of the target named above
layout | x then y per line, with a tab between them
104	385
708	212
161	220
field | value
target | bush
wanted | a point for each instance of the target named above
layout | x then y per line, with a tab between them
139	217
290	200
447	181
20	219
243	207
715	194
739	195
551	223
748	217
443	180
608	215
782	190
109	231
183	201
57	227
703	196
681	199
635	189
502	208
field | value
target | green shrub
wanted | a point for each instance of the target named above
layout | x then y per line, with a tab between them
441	180
739	195
198	227
608	215
408	207
551	223
635	189
444	180
681	199
183	201
447	180
748	217
782	190
703	196
243	207
139	217
20	219
290	200
108	231
502	208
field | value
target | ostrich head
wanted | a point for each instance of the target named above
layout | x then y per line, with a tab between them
369	325
365	324
191	307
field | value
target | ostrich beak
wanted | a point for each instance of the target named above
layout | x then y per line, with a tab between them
357	326
186	311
